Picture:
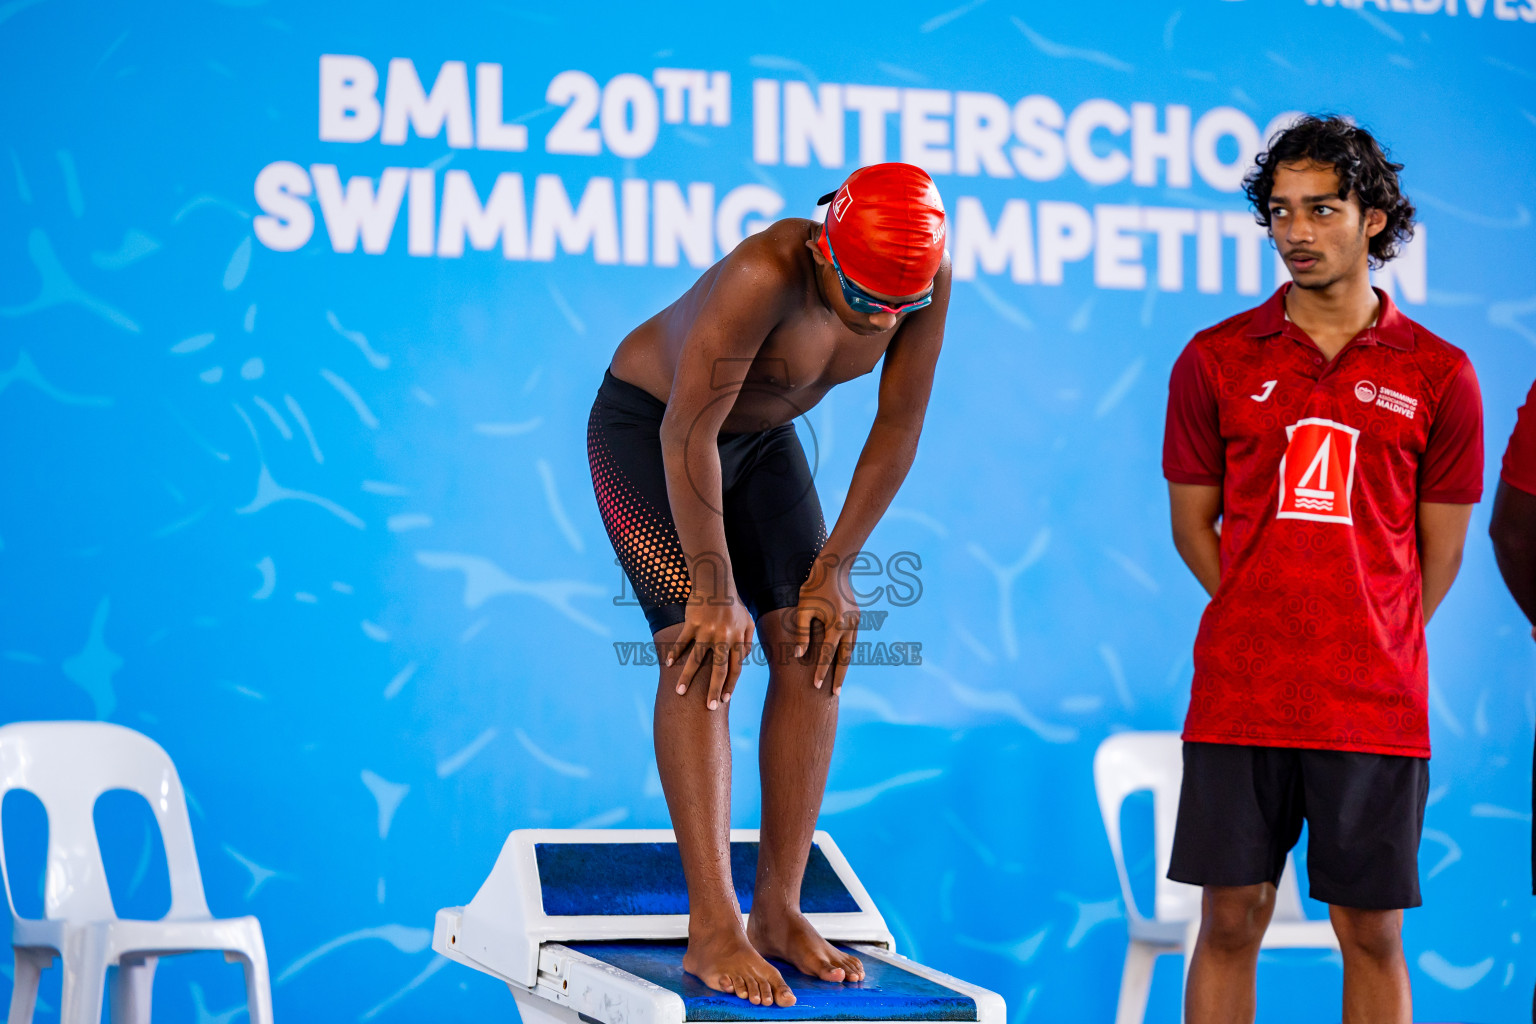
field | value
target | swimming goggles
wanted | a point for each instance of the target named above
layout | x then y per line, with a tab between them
860	301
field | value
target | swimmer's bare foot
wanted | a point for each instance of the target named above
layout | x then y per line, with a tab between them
787	935
723	959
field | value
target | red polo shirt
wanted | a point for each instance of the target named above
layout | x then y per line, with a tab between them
1315	637
1520	457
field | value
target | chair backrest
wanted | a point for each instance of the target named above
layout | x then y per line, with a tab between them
1130	762
67	765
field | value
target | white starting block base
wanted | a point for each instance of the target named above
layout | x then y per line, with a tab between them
587	927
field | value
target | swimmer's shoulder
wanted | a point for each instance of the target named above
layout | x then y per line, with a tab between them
774	256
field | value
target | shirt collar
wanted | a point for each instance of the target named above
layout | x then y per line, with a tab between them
1392	328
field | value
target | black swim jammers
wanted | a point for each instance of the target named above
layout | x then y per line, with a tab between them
774	526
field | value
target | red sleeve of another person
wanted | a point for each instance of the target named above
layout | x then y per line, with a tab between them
1451	471
1520	457
1193	451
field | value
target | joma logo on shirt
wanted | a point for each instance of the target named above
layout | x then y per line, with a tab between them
1317	471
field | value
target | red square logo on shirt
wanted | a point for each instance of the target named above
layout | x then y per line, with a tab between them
1317	471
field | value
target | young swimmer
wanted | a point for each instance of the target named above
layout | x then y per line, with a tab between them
708	498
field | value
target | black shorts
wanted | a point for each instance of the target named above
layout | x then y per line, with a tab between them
1241	809
774	528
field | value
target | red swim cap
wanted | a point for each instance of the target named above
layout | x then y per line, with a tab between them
887	225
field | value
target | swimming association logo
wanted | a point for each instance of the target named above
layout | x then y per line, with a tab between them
1396	401
1317	471
1386	398
840	204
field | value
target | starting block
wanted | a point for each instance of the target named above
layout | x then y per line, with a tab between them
588	926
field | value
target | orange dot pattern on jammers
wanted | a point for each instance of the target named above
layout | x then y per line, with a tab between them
642	535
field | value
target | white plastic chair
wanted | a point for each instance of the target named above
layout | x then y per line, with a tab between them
1127	763
67	765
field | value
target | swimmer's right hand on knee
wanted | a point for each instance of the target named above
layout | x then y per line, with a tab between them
720	633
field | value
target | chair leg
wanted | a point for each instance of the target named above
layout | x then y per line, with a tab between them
132	989
1135	983
85	979
258	986
30	964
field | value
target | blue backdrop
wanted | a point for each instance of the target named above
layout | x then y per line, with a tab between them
295	365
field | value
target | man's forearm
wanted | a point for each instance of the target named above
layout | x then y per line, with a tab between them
1513	529
1201	551
882	467
1439	573
1195	509
1442	533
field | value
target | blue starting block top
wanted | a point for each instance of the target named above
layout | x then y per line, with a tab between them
887	993
578	879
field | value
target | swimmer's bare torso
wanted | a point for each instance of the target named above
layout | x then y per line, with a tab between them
789	346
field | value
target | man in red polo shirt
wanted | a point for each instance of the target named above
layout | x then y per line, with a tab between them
1513	530
1323	454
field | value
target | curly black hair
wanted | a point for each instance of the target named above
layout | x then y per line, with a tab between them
1363	168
